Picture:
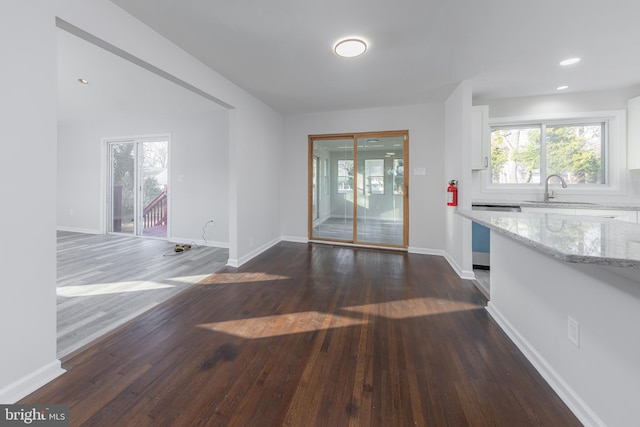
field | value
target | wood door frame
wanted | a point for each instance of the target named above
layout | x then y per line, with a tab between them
355	136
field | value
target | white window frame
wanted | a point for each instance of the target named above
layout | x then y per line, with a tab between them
615	153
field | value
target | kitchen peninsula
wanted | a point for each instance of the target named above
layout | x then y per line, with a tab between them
566	289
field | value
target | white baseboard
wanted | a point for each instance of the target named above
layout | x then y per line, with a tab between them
30	383
579	408
425	251
254	253
463	274
79	230
294	239
198	242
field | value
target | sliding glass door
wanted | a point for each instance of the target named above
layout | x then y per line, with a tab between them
333	186
380	190
137	197
358	189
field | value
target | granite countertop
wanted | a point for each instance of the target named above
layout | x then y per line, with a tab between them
571	238
630	206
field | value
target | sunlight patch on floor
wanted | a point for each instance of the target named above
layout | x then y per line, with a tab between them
189	279
227	278
413	307
282	324
309	321
109	288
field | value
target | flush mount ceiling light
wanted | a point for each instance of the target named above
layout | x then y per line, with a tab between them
570	61
350	48
562	87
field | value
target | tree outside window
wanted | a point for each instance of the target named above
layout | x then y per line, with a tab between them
398	176
345	176
528	154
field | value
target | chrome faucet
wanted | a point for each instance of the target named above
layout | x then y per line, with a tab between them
548	196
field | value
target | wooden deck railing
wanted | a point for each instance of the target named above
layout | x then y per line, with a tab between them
155	213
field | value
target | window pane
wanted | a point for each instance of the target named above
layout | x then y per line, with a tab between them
398	176
575	152
374	175
345	176
515	155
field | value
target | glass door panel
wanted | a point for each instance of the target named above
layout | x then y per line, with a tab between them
122	160
334	192
380	190
137	197
314	190
154	159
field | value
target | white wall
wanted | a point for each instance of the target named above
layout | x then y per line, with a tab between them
257	165
458	166
255	132
199	179
27	218
555	105
426	150
28	42
559	103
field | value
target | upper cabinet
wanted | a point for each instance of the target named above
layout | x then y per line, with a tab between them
480	137
633	133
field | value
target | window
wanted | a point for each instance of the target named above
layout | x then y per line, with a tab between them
398	176
528	153
345	176
374	176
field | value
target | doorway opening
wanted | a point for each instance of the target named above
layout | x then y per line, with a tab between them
358	191
138	187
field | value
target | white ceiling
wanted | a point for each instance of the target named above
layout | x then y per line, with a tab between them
118	89
281	50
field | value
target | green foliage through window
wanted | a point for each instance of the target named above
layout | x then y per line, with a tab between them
527	154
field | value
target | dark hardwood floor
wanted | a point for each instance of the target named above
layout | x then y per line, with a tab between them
312	335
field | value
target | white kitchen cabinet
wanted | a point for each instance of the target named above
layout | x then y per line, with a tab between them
480	137
633	133
629	216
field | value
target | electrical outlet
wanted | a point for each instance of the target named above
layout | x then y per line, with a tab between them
573	331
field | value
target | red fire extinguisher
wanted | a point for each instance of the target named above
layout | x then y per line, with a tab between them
452	193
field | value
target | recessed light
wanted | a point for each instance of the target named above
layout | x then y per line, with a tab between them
83	81
570	61
562	87
349	48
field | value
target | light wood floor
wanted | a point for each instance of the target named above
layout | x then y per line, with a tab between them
312	335
106	280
